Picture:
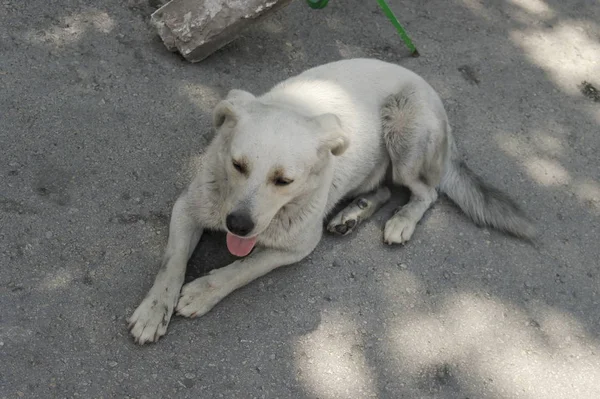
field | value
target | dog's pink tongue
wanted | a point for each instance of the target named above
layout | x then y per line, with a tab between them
239	246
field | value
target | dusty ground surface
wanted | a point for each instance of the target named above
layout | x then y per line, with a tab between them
97	123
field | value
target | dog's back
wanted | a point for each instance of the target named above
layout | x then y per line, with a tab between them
354	90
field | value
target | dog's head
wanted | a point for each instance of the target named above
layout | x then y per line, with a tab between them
271	156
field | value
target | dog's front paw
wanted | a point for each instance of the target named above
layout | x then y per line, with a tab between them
200	296
150	320
398	230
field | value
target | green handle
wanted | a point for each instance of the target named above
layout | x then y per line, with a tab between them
390	14
317	4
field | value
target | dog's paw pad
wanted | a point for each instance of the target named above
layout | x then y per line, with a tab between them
362	203
343	228
351	223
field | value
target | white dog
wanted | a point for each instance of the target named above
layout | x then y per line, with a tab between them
279	163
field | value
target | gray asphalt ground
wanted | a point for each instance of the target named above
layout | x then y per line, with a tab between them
98	122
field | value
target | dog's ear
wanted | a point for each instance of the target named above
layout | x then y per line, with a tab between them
224	113
333	138
227	111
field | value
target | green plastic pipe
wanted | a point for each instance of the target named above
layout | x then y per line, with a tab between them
390	14
318	4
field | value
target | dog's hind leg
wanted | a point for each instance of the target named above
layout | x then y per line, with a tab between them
363	207
415	130
400	227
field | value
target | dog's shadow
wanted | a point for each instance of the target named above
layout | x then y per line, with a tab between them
210	253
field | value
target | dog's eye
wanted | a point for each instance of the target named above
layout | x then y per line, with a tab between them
239	167
280	181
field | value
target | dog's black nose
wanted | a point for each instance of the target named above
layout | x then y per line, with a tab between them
239	223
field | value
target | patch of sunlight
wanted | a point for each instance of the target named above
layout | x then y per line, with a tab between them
513	146
334	23
562	331
588	192
272	25
566	52
547	141
306	94
71	28
350	51
331	360
536	7
423	340
60	279
547	172
294	50
551	146
204	97
484	339
438	221
476	7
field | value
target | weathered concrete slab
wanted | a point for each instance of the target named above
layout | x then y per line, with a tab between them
197	28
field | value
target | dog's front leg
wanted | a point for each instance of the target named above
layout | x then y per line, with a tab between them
200	295
150	320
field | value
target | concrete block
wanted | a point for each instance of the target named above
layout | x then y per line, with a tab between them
197	28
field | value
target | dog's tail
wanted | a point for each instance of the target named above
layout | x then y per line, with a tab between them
486	205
